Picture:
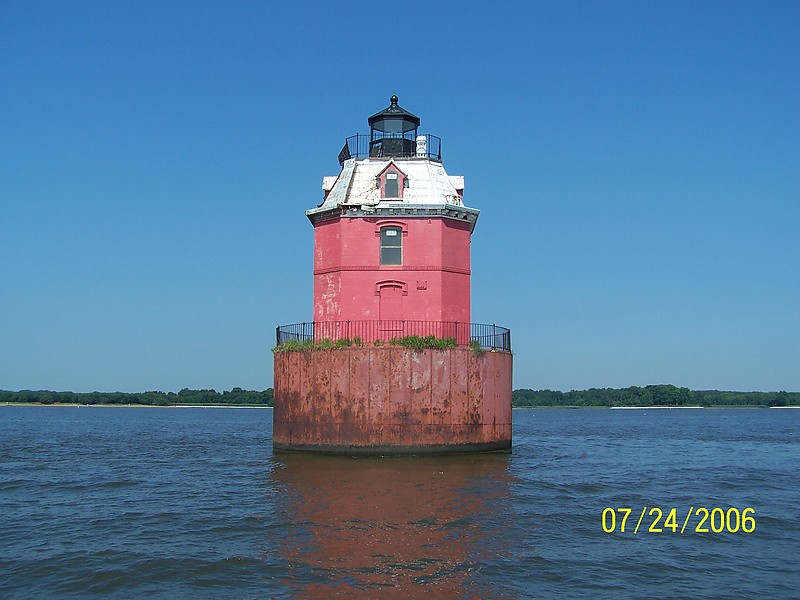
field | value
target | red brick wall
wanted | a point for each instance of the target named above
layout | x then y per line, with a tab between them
434	276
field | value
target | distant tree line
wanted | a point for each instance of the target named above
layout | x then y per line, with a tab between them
651	395
235	397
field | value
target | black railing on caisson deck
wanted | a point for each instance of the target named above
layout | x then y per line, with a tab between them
489	337
400	145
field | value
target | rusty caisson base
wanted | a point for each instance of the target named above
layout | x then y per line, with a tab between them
392	401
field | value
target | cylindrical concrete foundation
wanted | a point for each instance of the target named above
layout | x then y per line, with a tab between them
392	400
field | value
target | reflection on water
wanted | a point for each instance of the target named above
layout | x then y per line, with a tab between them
393	527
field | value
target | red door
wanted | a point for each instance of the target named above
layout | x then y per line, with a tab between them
391	309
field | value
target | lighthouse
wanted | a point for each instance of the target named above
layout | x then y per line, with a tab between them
391	363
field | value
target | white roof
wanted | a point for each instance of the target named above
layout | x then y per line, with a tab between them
428	183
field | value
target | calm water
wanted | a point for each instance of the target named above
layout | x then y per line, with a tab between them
192	503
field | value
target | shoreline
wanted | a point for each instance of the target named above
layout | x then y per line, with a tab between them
657	406
78	405
262	406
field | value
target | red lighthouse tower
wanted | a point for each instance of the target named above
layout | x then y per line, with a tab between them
392	238
391	362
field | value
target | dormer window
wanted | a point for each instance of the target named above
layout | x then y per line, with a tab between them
391	189
391	182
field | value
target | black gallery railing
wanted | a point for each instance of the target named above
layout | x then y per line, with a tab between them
400	145
488	337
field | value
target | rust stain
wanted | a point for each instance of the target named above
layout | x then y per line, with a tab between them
392	399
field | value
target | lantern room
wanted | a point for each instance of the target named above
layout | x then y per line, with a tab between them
393	131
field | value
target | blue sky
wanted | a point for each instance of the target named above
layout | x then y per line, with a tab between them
635	164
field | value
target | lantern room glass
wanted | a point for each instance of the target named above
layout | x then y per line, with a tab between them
393	131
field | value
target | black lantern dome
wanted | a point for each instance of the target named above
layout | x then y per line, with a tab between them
392	134
393	131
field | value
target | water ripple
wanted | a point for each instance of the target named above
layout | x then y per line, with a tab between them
187	503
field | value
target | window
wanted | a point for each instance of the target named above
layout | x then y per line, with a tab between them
391	246
391	189
391	182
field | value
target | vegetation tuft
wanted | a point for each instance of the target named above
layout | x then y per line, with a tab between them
429	342
476	347
414	342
